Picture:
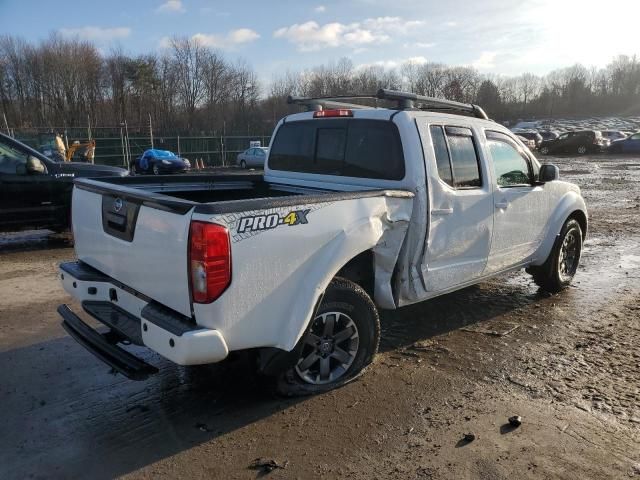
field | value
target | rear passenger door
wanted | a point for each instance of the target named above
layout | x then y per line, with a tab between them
460	208
520	206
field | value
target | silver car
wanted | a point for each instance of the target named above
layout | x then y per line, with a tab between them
252	157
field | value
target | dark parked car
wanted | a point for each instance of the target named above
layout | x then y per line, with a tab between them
580	142
35	191
613	135
548	134
158	162
631	144
531	135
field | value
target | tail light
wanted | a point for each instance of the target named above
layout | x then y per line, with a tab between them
209	261
342	112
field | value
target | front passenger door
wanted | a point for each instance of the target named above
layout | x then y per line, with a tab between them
520	206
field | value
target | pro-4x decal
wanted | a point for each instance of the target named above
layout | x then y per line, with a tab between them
272	220
243	225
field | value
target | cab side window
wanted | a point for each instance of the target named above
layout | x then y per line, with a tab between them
512	168
456	156
442	154
12	161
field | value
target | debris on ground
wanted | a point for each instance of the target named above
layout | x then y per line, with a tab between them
469	437
515	421
266	465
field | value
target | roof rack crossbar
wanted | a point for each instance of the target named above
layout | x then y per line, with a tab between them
408	100
320	103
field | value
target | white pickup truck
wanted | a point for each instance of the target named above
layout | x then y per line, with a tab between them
359	208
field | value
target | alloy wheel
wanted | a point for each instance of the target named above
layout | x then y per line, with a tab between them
569	255
329	350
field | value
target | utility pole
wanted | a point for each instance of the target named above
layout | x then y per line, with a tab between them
151	130
6	124
124	155
126	131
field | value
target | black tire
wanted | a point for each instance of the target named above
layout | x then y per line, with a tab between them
581	150
544	150
351	302
243	164
553	276
155	169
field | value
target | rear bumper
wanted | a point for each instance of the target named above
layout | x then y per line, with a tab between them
136	318
100	345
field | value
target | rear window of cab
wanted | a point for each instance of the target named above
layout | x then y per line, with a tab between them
341	147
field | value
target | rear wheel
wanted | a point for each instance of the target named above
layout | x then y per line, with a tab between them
558	271
544	150
341	342
582	150
243	164
156	169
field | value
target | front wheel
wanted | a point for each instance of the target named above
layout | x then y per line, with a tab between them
558	271
243	164
544	150
582	150
341	341
156	169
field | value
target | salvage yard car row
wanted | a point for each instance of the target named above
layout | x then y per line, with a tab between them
579	142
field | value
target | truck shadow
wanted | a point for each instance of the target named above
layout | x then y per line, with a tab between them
65	416
32	240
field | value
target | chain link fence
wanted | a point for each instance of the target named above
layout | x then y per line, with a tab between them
119	145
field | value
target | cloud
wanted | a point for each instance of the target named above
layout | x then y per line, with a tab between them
320	9
97	34
171	6
451	24
486	61
232	39
311	36
242	35
420	45
391	24
390	64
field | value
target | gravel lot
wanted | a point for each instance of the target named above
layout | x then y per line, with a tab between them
568	364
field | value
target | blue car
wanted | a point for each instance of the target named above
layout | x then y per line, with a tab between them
158	162
631	144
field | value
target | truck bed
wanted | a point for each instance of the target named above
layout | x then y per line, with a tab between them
213	194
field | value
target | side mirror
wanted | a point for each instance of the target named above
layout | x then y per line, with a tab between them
548	173
34	165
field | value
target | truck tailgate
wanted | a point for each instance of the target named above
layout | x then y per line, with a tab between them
141	246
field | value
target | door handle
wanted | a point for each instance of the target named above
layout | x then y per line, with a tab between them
502	205
442	211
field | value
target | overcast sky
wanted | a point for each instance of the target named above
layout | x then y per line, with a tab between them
496	36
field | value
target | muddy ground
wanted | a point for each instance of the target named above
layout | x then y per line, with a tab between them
570	366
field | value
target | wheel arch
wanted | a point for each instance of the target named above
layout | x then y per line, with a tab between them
581	217
571	205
